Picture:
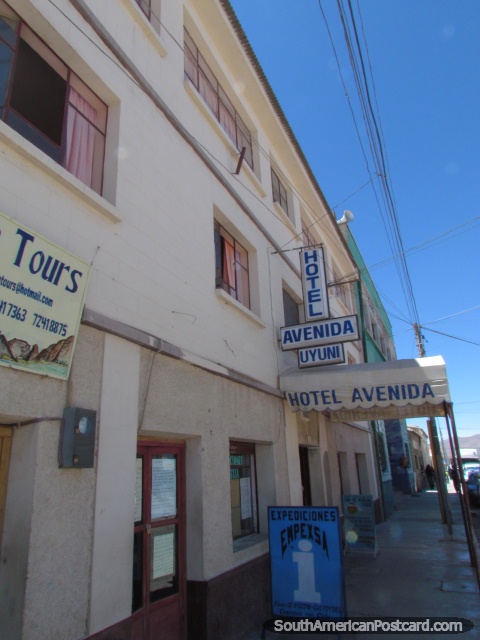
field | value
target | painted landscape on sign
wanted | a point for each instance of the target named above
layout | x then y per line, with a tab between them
53	360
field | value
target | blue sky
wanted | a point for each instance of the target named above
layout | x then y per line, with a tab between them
425	62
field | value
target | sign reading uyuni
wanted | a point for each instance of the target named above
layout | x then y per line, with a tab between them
317	356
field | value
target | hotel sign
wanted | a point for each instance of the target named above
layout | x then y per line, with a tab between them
322	332
319	340
314	283
42	289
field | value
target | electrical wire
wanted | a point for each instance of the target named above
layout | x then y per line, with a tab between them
366	93
477	344
453	315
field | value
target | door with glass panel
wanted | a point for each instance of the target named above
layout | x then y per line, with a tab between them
158	600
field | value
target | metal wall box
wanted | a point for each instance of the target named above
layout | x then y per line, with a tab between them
77	438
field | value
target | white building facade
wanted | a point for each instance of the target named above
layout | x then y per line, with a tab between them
146	144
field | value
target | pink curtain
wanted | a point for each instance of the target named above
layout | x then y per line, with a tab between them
80	137
229	265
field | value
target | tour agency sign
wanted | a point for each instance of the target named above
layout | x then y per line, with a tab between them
320	339
306	562
42	290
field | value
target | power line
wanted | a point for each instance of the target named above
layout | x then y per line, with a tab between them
458	313
376	143
422	245
477	344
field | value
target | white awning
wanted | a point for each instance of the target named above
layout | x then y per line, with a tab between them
373	391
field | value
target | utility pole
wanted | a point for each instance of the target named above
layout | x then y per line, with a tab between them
437	458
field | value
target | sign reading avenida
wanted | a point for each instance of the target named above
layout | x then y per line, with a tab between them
42	289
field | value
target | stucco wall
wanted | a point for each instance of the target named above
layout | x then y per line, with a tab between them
209	411
49	512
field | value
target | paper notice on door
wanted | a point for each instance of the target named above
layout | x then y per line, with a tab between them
246	498
164	488
138	490
163	563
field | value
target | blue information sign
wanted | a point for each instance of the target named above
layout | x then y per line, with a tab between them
306	562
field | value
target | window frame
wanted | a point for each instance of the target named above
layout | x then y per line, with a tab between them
227	249
236	450
151	10
308	239
340	289
291	309
279	192
200	74
82	109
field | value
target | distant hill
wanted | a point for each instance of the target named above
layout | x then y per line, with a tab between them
466	442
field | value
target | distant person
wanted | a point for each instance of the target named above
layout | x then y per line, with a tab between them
453	473
430	473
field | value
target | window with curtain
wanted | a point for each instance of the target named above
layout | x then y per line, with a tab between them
46	103
207	85
231	265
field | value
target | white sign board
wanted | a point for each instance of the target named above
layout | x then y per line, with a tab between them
318	356
42	289
314	283
313	334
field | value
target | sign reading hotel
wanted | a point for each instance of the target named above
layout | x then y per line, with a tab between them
314	281
306	562
42	289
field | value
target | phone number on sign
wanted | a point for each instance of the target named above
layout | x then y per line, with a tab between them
50	325
12	311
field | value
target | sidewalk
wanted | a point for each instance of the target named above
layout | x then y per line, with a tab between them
419	571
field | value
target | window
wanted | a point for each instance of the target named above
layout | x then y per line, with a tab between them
243	489
205	82
151	8
290	310
46	103
308	238
279	192
340	290
231	266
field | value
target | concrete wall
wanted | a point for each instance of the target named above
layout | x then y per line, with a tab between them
48	530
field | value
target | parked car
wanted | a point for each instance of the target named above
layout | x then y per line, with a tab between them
473	486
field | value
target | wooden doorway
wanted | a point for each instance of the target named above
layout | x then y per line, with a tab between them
5	447
159	577
305	476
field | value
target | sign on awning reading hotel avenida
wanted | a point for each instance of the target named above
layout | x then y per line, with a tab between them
42	289
371	391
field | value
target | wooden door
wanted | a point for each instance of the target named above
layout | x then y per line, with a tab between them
159	580
5	447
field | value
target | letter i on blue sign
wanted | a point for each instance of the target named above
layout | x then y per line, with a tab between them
306	574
